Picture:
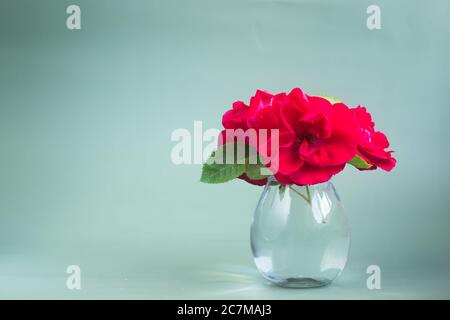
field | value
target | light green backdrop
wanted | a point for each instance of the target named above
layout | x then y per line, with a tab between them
85	123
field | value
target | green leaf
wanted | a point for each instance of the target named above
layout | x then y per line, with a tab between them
220	173
332	100
253	171
245	161
253	164
219	168
359	163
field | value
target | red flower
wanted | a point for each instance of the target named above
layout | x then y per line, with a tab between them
316	138
373	143
236	119
325	139
264	113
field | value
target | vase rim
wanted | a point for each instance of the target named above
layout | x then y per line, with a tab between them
271	179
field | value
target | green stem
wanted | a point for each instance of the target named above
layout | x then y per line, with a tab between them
307	199
309	194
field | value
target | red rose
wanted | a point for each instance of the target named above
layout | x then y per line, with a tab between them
236	119
326	137
264	113
373	143
316	138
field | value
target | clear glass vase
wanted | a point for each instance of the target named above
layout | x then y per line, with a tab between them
300	235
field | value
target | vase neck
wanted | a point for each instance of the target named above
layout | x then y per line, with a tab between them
306	192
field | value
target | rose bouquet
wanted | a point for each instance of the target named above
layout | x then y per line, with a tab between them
316	138
293	143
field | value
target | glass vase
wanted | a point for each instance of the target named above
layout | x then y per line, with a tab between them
300	235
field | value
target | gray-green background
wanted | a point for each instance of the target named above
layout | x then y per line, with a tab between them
85	124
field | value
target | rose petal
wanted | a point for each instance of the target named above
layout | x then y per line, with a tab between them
290	160
309	174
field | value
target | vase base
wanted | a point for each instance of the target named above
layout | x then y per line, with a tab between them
302	283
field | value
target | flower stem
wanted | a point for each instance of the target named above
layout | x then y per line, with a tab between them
307	199
309	194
